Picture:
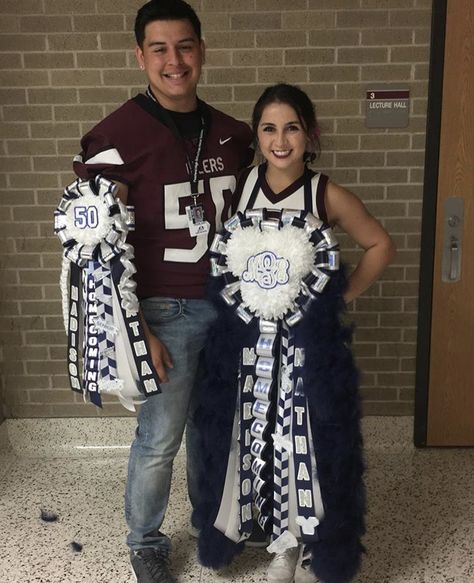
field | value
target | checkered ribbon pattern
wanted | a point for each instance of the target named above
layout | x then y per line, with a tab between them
272	409
99	295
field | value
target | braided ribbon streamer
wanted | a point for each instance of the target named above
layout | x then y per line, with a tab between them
274	264
98	295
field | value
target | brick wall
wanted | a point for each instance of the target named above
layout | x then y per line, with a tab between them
65	64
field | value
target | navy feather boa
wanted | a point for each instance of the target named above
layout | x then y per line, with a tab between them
331	383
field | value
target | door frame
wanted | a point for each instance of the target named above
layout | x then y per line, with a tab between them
428	228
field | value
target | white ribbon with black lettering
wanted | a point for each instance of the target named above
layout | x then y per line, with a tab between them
99	302
274	265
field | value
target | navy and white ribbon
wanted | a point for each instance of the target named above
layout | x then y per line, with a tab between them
99	301
274	265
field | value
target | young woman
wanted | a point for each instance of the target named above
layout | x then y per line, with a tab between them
321	484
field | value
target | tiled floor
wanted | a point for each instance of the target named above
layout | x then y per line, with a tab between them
420	521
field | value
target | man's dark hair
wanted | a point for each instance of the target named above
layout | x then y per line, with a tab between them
165	10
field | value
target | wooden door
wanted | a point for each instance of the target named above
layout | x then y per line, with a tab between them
450	403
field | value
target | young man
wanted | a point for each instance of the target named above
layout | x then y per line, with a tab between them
175	159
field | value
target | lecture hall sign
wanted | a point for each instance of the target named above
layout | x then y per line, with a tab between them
387	108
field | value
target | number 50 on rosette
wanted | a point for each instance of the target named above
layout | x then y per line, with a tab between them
100	307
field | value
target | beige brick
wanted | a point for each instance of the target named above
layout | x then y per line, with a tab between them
309	56
219	58
53	396
118	6
96	23
24	292
18	42
333	38
292	74
319	91
379	394
280	38
268	21
216	21
49	60
384	175
31	147
17	198
49	367
360	159
54	322
384	209
410	18
215	93
422	36
52	95
114	95
17	382
33	181
387	37
410	335
12	164
77	113
328	73
378	304
45	23
9	23
228	39
387	408
23	78
283	5
236	75
255	58
413	241
392	4
63	129
362	55
124	78
69	6
9	97
22	7
75	78
396	349
39	213
409	54
101	61
50	338
385	142
117	40
378	364
10	61
308	20
405	192
416	175
387	72
362	19
228	5
405	158
336	108
73	42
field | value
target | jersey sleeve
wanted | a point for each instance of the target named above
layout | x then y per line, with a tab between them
99	155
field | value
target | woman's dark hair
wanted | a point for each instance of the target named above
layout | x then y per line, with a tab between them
300	102
164	10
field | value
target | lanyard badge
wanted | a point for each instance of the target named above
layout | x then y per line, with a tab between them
197	223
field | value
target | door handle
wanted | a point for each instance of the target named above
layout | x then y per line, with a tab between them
453	236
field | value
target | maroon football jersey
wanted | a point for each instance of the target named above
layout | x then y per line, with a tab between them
137	145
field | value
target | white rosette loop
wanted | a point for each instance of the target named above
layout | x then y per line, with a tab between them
98	290
275	264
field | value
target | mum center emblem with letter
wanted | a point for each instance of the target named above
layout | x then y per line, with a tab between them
274	265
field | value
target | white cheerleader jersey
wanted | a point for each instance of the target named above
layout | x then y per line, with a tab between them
306	193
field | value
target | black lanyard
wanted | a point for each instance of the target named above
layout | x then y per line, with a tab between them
192	166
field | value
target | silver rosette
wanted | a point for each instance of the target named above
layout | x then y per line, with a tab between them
100	306
274	264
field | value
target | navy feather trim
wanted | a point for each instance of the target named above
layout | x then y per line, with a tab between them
331	383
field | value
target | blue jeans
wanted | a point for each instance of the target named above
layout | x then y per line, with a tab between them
182	326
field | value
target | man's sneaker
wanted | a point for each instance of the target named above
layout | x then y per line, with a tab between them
283	565
151	566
